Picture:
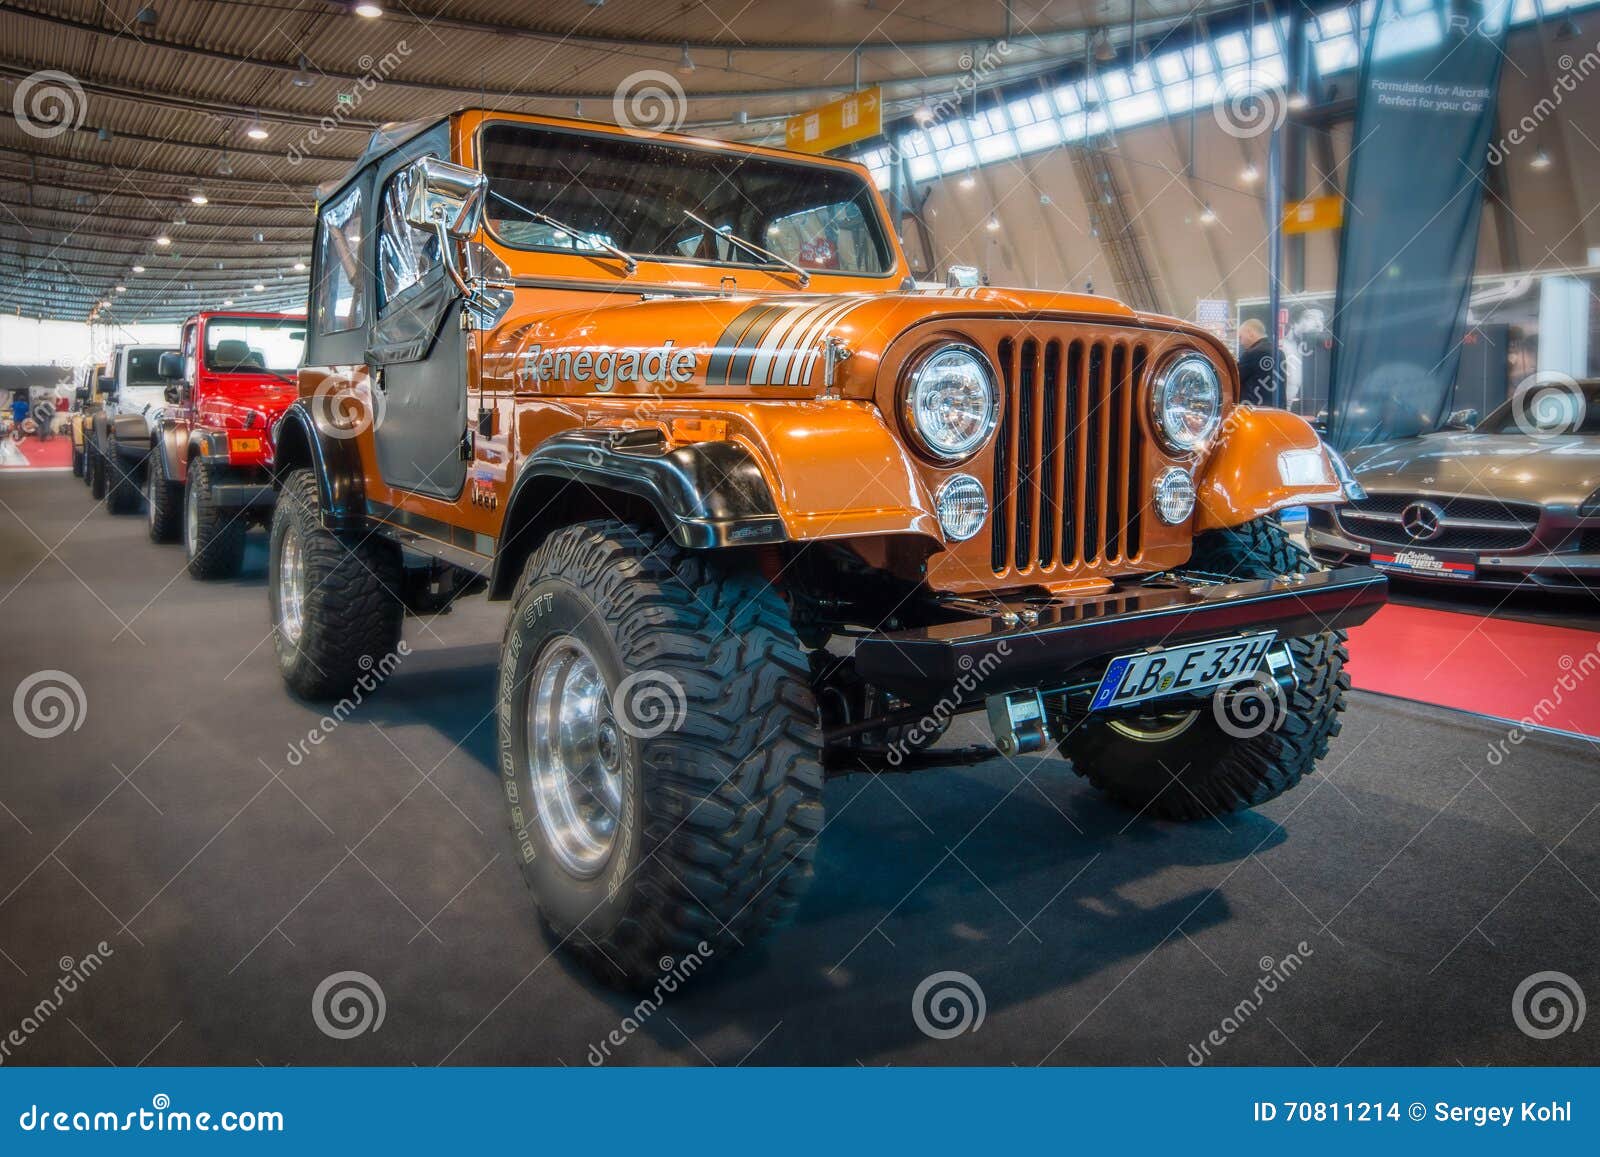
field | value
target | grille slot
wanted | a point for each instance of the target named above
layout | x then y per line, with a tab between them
1068	457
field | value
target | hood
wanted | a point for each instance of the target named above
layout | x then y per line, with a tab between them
770	345
1508	467
230	399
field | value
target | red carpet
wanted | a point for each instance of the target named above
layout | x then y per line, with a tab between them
53	455
1533	672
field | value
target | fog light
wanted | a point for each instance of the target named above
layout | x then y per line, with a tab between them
962	507
1175	496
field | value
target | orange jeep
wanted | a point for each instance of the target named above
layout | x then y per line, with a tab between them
764	510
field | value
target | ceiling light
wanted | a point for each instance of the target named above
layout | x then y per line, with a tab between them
1102	46
258	288
370	11
685	61
256	131
1207	216
225	166
299	266
122	289
1541	160
302	77
994	225
1298	100
1250	174
924	115
226	303
969	181
163	240
199	197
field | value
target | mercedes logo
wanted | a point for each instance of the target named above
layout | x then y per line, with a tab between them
1421	521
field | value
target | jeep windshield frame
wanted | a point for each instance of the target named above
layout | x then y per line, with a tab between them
632	190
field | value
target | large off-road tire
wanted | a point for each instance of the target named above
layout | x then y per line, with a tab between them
77	461
1234	753
659	750
213	536
95	469
124	483
163	501
334	599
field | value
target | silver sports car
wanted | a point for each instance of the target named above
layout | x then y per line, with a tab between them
1512	501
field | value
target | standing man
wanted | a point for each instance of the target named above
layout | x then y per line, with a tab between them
1260	374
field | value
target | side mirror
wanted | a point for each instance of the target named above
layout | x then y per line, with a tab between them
1461	420
170	366
106	385
963	277
447	196
81	395
447	199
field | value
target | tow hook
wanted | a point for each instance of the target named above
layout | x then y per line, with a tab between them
1017	720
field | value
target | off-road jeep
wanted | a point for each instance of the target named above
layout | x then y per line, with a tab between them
119	435
208	474
763	510
89	397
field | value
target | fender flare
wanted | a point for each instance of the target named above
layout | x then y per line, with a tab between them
298	439
707	495
164	440
129	435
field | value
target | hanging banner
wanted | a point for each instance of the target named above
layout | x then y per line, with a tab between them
1410	238
838	123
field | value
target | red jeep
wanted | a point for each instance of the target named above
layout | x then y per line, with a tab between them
211	448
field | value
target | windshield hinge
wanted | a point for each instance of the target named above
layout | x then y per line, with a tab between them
834	354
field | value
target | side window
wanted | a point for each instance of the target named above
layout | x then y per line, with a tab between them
188	353
341	294
405	253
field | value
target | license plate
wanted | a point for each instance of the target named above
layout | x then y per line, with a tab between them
1439	564
1178	670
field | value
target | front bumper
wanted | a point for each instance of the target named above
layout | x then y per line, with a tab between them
1564	570
1052	643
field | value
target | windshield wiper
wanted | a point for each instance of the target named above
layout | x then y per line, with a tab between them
629	261
803	277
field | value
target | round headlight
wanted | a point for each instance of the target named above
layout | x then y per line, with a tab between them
1187	403
951	404
962	507
1174	496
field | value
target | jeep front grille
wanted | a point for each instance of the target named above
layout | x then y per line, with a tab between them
1068	456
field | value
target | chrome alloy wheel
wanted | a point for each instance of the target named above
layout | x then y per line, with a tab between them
150	492
191	519
1155	728
291	587
575	756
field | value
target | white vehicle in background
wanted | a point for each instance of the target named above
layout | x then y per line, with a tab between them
134	392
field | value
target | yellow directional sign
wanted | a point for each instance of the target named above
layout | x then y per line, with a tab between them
1313	215
836	124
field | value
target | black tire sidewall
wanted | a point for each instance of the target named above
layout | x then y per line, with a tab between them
549	609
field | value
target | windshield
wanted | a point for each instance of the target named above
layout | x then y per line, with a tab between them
633	193
1549	408
144	367
243	344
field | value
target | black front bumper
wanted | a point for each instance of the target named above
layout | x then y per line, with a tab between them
1004	651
